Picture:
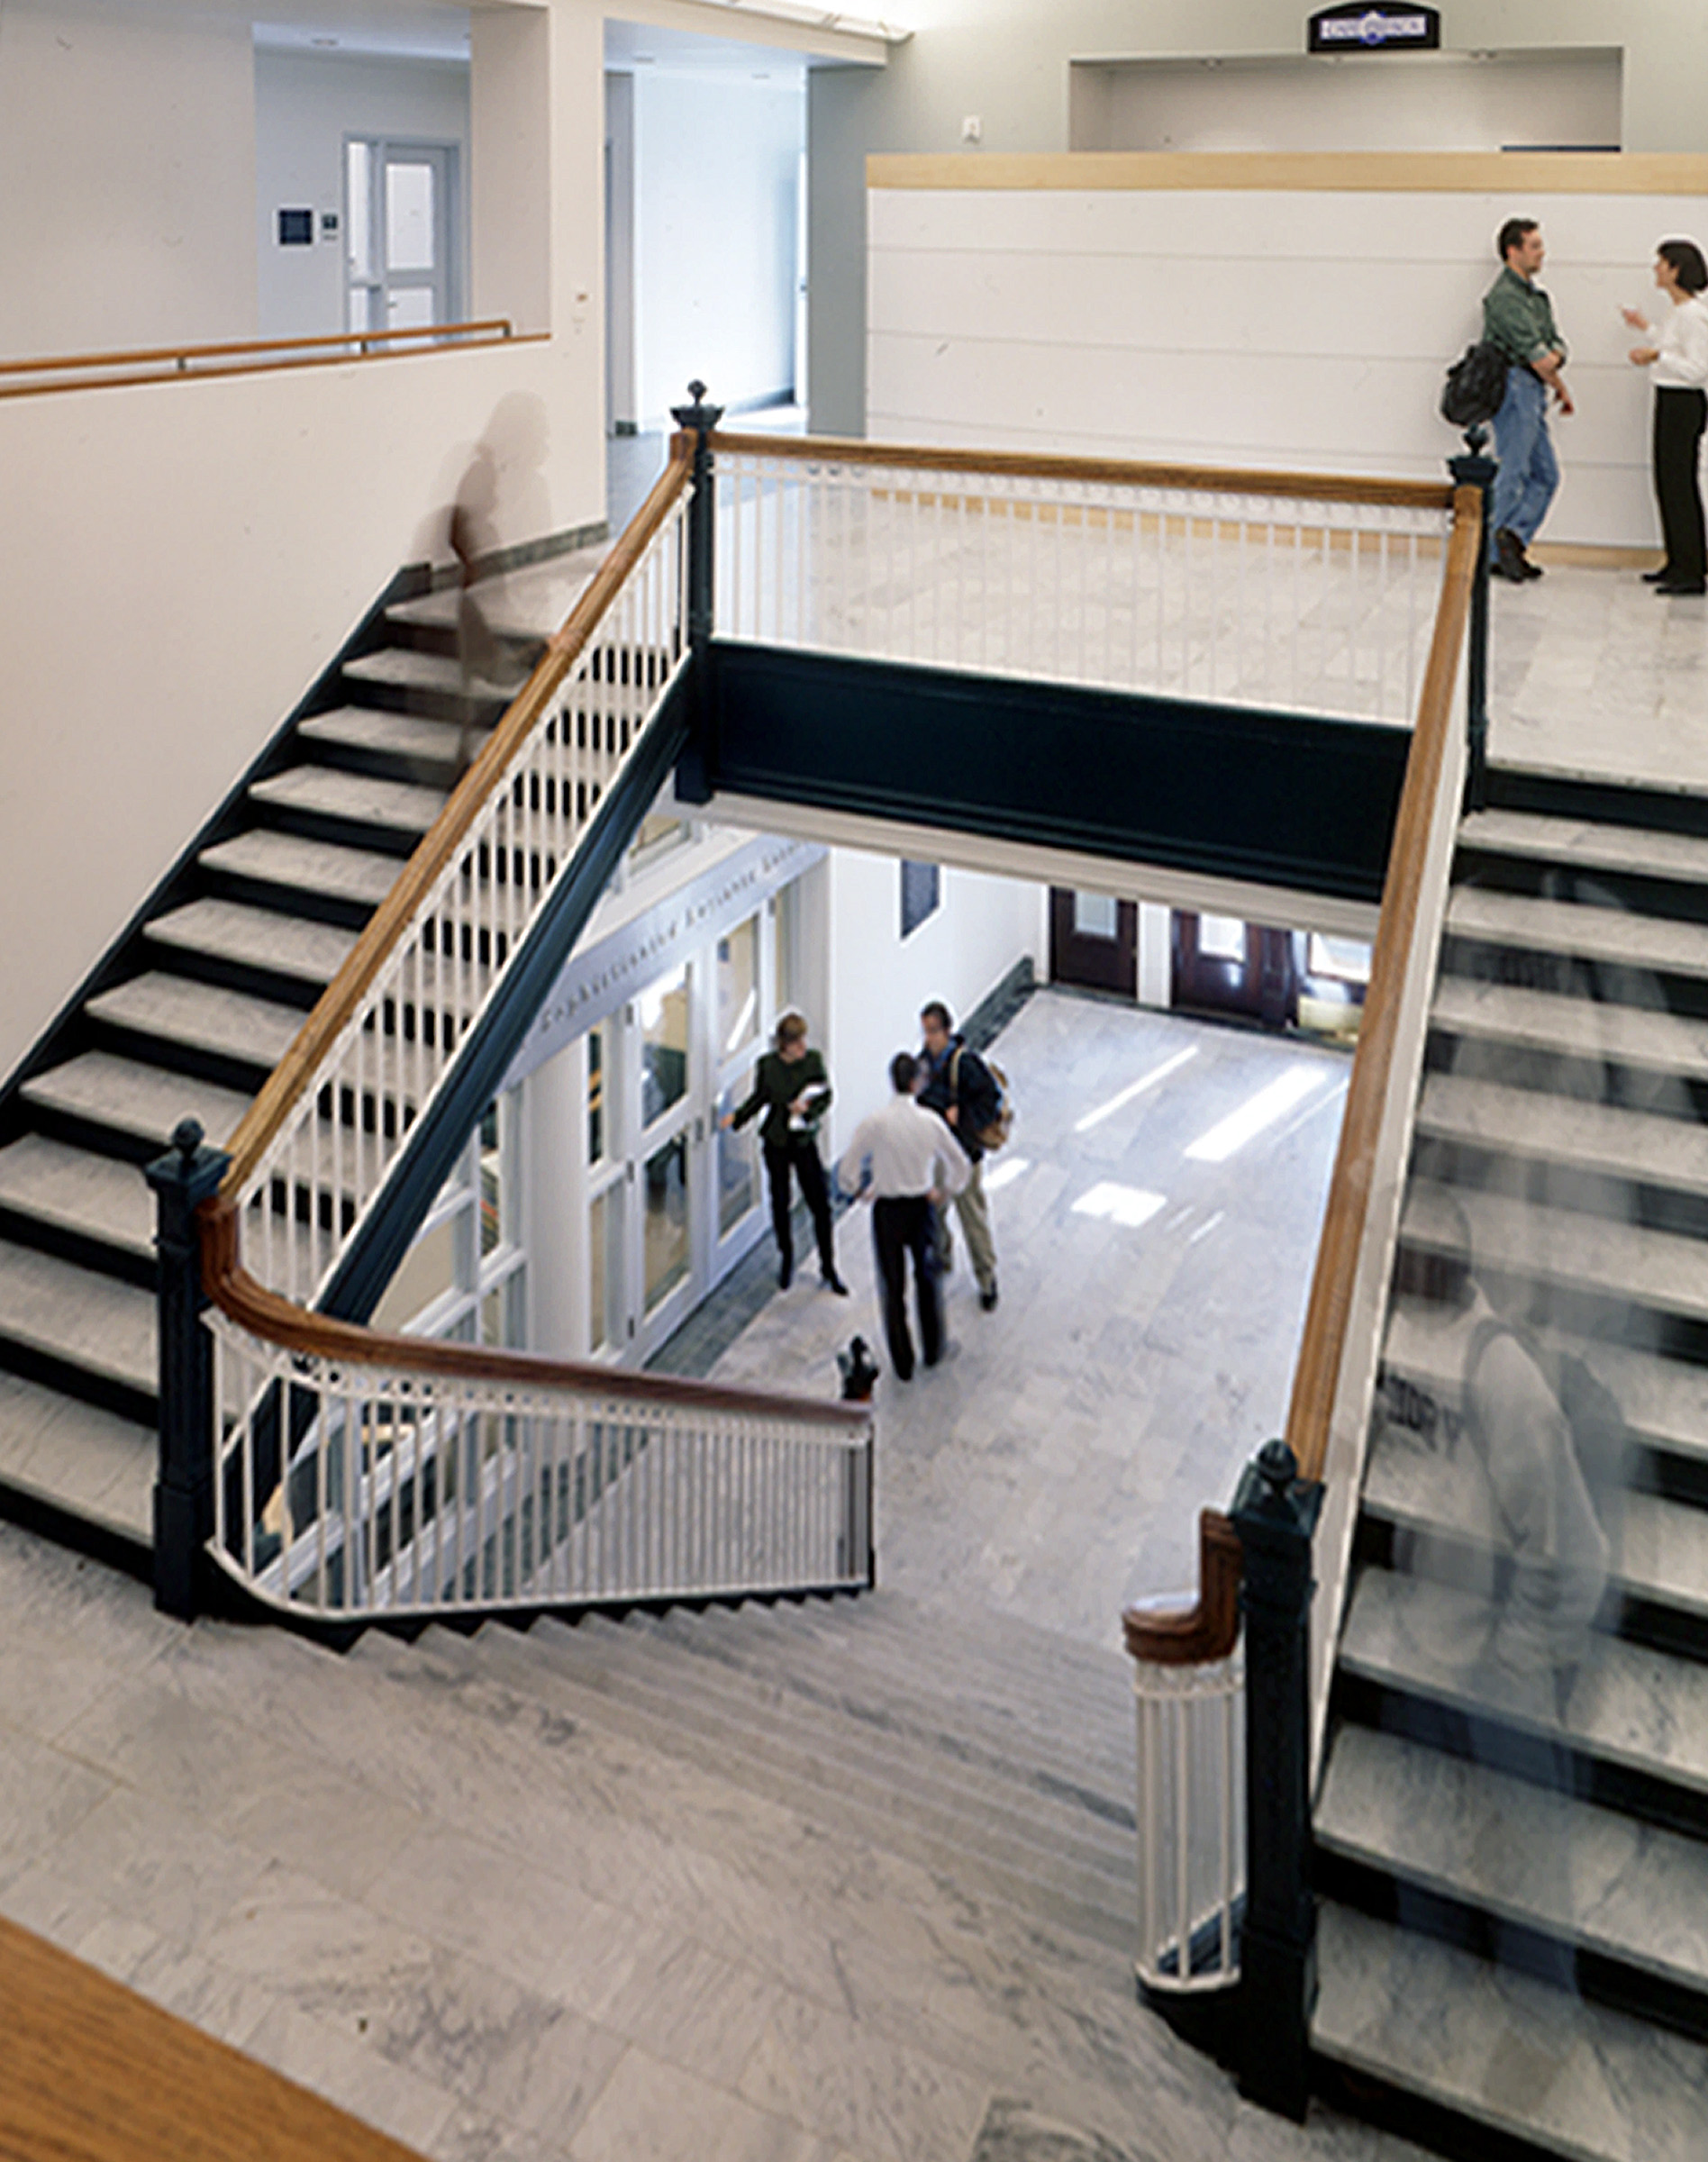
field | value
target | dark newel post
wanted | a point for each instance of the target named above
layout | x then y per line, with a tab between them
696	773
189	1175
1475	470
1275	1514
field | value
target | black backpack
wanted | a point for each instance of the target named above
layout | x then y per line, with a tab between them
1476	385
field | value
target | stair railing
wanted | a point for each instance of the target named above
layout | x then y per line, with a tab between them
1284	1550
1306	593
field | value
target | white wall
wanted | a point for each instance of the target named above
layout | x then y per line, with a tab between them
305	106
1423	101
1306	329
127	170
878	981
716	184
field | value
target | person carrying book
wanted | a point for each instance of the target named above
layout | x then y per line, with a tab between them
793	1090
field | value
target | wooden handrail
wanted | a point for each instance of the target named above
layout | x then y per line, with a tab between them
184	363
1207	1631
448	834
1316	487
1331	1285
274	1319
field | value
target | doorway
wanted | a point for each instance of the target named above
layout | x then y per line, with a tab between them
402	228
1222	966
1094	941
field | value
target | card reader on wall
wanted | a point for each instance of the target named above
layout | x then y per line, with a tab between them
296	229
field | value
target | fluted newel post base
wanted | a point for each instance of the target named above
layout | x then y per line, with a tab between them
696	768
1274	1515
187	1176
1476	469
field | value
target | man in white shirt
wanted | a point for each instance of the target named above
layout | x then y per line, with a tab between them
907	1160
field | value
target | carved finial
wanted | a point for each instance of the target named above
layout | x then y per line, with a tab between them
696	391
1279	1466
188	1137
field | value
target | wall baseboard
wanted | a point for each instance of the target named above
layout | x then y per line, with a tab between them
1587	554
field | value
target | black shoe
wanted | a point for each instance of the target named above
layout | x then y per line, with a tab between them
1674	587
1658	577
1510	560
784	1276
1532	570
832	1281
988	1300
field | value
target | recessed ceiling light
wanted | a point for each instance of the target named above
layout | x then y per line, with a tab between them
323	41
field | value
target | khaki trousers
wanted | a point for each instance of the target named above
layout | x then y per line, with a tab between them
974	1211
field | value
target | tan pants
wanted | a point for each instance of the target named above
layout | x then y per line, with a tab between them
974	1211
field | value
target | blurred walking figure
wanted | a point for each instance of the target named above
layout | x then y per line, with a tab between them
793	1089
1677	365
907	1159
473	536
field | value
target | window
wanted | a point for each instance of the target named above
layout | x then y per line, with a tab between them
921	890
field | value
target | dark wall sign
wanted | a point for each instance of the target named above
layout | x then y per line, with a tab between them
1386	27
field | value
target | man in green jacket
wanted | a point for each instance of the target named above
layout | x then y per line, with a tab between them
1518	317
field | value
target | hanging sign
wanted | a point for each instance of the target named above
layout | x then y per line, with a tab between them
1358	27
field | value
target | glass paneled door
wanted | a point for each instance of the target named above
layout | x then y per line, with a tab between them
402	224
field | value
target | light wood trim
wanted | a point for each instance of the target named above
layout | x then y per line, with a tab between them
86	372
1317	1374
92	2072
1208	1629
1115	472
264	1313
1401	172
448	834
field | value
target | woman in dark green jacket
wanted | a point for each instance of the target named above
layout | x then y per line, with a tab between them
792	1088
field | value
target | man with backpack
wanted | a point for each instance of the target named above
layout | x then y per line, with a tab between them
1518	317
957	1085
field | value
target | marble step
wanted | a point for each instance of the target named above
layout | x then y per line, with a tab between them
1544	1021
142	1103
294	863
1630	1145
79	1318
1665	1401
202	1017
414	738
527	605
76	1457
256	937
1627	1262
968	1692
853	1722
353	799
1086	1904
95	1197
1506	2051
1659	1546
432	682
1630	1707
1657	945
1585	844
1580	1875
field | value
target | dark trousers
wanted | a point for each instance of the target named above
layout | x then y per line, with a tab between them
803	1155
901	1228
1679	415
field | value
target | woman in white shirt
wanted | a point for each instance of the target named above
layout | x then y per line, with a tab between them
1679	366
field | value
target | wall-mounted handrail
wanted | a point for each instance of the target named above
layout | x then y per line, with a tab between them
198	363
1323	1346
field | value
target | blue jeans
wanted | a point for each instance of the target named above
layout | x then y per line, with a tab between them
1530	472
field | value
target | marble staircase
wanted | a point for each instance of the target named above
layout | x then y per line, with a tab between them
1513	1862
187	1015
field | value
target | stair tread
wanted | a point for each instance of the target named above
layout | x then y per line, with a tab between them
1635	1145
362	798
1629	1705
78	1190
530	604
1659	1546
76	1455
1507	2050
1663	1400
205	1016
1547	1021
1632	1261
320	866
90	1320
1583	1874
258	938
132	1098
1579	841
1618	936
403	735
408	669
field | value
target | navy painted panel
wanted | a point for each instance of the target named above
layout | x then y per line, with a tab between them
1236	792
